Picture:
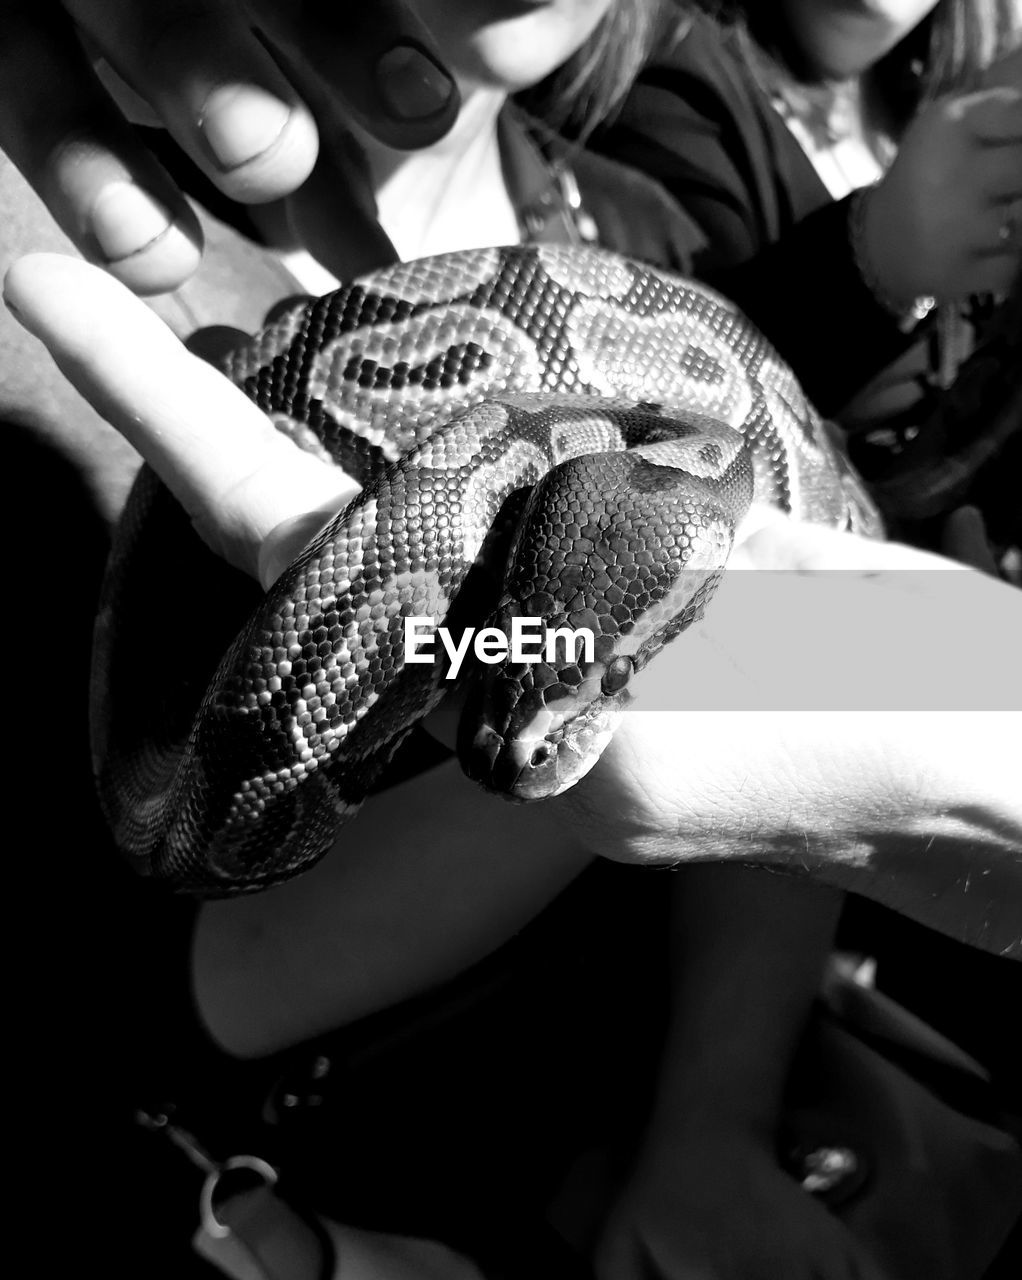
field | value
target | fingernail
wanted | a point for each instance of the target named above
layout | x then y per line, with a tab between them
125	220
239	122
411	84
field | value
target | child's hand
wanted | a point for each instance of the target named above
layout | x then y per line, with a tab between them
946	220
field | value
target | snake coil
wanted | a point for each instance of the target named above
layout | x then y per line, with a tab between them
542	432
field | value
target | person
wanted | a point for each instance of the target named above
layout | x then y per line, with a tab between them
254	960
778	126
863	160
942	784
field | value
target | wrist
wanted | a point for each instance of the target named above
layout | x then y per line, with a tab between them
716	1108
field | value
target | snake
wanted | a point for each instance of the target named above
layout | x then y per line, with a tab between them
541	432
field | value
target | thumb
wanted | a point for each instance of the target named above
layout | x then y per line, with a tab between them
964	538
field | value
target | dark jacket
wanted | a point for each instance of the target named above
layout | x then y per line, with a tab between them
773	239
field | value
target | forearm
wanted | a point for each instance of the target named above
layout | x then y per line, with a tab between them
430	877
920	812
897	779
748	949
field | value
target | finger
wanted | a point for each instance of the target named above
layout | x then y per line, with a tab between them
203	70
996	173
1006	72
964	538
991	272
993	116
1004	187
106	192
237	476
379	60
334	214
996	239
993	245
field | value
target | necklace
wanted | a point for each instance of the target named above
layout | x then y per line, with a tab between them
829	122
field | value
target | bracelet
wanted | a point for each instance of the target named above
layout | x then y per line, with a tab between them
907	316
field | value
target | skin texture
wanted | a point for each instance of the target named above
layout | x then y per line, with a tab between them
944	219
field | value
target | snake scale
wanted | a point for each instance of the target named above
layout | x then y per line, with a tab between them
540	431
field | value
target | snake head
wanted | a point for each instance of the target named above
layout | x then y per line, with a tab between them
530	732
616	555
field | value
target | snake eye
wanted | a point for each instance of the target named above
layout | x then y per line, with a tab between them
617	675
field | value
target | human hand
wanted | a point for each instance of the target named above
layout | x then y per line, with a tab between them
964	538
716	1206
245	89
851	712
253	495
946	220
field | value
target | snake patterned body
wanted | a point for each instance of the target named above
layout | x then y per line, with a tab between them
607	422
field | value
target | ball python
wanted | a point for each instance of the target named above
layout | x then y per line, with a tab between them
540	431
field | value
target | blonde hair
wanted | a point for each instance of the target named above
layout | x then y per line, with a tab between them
588	89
